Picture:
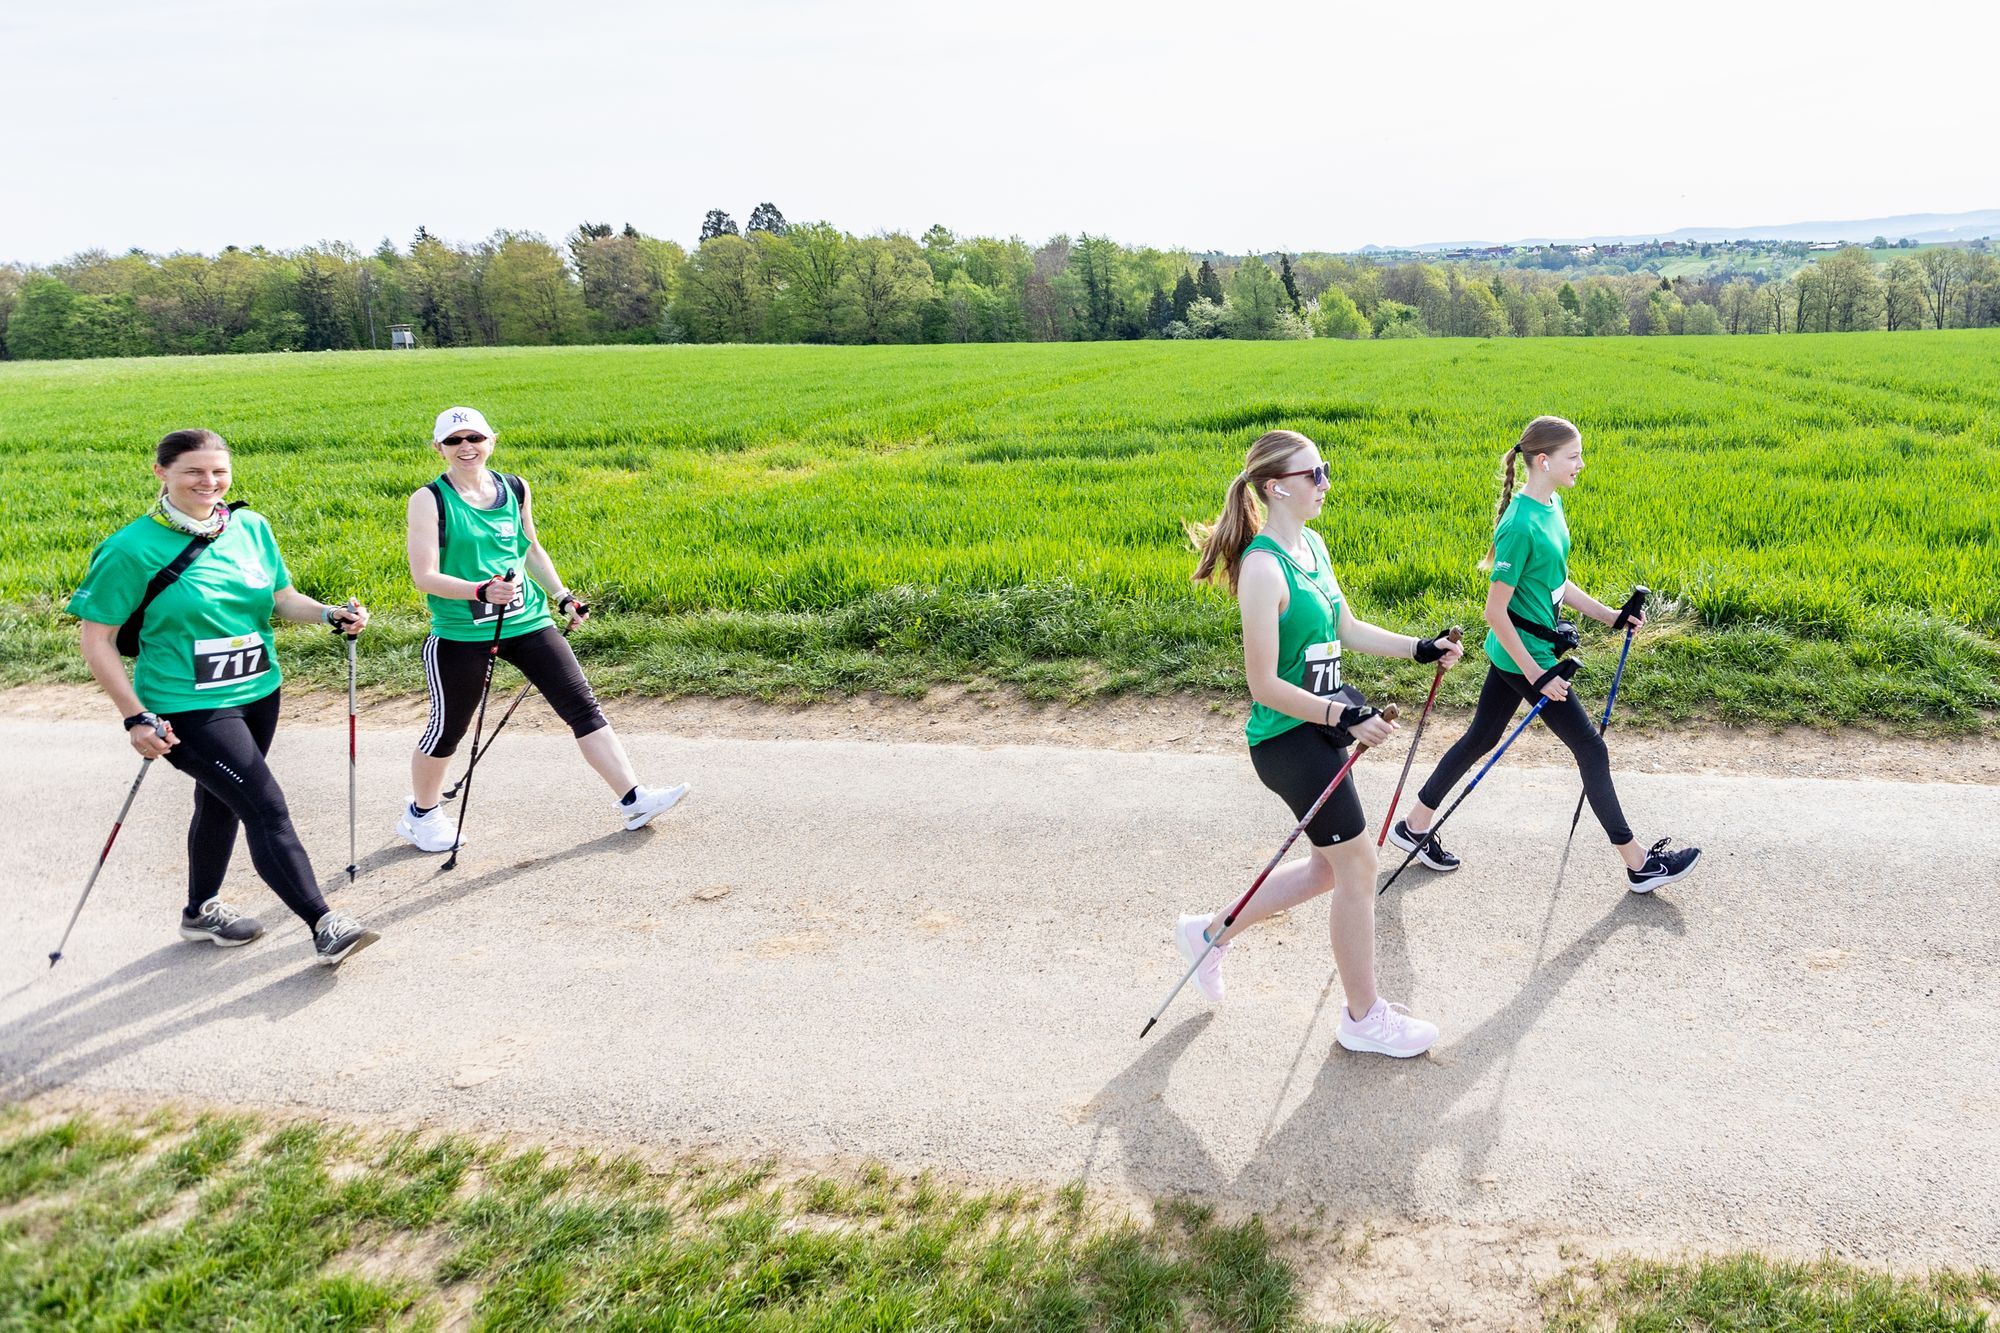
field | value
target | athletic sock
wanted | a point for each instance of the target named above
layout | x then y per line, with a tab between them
420	813
629	797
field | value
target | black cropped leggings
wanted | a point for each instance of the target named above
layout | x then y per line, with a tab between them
223	750
1499	697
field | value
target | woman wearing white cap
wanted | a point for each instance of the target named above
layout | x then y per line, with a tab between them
467	531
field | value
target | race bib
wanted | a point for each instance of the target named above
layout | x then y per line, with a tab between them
1322	668
219	663
485	612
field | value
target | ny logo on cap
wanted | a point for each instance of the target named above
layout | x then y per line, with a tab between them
458	416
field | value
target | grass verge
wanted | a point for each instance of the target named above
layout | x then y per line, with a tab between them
171	1220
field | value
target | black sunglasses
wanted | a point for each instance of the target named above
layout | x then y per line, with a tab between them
463	439
1318	474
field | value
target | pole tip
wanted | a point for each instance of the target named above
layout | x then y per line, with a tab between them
1148	1028
56	957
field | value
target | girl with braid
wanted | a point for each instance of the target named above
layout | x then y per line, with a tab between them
1529	564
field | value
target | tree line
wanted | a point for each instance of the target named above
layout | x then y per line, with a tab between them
774	281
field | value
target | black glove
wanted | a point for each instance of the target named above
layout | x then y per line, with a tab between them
569	600
1430	650
1340	728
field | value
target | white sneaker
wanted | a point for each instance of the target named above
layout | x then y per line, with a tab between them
1191	935
650	801
1387	1029
433	832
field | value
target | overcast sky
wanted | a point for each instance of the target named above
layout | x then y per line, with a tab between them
1317	125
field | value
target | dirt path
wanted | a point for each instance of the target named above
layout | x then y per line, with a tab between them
1174	725
941	954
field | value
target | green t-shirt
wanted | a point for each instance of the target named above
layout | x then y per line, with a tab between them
1308	633
206	641
1530	555
481	544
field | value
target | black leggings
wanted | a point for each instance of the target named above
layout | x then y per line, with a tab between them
1499	697
456	670
223	750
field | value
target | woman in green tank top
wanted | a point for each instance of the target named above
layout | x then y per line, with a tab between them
475	556
1296	622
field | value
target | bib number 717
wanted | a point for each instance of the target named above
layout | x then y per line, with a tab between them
219	663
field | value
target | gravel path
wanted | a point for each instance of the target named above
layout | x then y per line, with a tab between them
941	955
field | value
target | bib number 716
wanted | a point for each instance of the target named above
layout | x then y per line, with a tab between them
1322	669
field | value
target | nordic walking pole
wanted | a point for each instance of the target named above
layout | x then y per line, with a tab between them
527	688
492	655
1634	604
1389	711
353	860
1566	669
160	730
1455	634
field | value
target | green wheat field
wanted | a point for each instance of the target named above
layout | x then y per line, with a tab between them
1816	516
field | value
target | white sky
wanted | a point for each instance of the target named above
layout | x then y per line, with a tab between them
194	124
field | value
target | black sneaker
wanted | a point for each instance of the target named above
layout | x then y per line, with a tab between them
1433	854
1662	867
220	924
337	935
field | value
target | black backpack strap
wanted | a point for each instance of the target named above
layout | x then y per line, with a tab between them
169	573
1563	643
516	485
436	488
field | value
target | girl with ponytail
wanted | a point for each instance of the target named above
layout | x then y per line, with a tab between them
1528	562
1302	719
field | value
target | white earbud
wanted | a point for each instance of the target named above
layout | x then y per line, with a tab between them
1282	491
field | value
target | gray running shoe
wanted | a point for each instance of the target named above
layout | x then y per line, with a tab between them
220	924
337	935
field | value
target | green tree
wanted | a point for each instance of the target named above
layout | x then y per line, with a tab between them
1290	283
1853	294
885	286
40	328
1185	294
1903	295
716	223
722	297
1566	297
1094	261
812	260
1945	270
766	218
1393	319
1208	284
533	299
1701	318
1255	299
1603	313
1336	316
1476	312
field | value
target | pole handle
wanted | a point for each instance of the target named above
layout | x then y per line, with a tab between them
1634	604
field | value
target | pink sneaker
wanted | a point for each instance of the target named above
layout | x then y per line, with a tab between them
1387	1029
1191	936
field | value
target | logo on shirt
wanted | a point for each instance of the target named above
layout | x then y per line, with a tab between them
1504	564
506	528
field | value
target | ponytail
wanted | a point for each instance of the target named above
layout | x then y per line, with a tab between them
1223	542
1543	435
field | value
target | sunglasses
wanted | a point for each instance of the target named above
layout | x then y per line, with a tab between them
1318	474
463	439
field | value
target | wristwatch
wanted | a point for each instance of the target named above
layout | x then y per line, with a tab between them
143	719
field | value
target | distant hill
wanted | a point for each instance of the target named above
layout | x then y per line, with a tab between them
1922	227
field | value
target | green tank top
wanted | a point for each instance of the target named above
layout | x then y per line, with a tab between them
1308	633
481	544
